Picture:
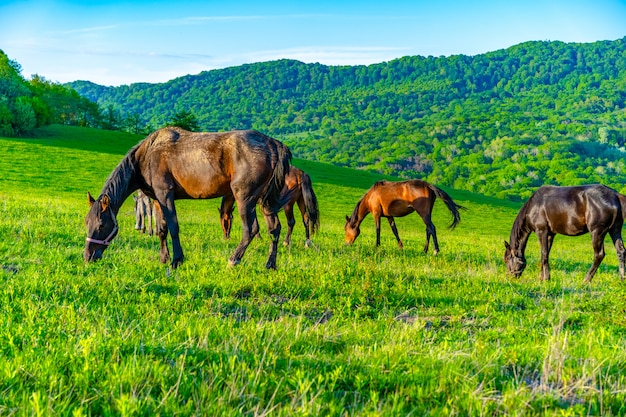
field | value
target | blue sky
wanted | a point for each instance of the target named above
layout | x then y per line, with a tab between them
121	42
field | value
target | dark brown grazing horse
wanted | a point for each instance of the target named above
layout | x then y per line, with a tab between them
299	190
172	164
397	199
570	211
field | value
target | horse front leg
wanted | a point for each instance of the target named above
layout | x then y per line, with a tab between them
598	254
273	227
377	223
545	241
169	213
394	229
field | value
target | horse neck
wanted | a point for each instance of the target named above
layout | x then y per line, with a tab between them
121	183
520	234
360	211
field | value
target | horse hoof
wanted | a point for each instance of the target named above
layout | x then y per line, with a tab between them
435	252
308	244
232	263
270	265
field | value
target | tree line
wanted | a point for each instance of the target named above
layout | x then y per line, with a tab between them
28	104
500	123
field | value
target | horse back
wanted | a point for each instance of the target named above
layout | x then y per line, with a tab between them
573	210
396	198
206	164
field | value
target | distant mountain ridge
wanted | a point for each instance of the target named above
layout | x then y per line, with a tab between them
500	123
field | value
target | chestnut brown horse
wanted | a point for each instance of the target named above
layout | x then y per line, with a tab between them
397	199
569	211
172	164
299	190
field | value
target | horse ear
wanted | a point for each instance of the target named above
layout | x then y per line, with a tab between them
347	218
105	201
506	245
90	198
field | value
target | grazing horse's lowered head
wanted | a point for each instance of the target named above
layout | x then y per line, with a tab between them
352	229
101	227
515	265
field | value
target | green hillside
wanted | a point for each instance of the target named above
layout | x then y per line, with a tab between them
337	330
501	123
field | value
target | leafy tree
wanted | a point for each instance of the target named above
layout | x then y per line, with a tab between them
185	120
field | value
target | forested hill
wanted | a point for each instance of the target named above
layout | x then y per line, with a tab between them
500	123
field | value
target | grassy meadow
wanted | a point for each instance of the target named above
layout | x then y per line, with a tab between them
336	330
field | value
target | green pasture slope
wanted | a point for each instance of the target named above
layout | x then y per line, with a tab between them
336	330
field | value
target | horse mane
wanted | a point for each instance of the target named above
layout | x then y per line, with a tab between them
119	181
355	214
519	226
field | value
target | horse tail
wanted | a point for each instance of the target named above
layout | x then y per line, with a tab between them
310	202
622	202
452	206
272	198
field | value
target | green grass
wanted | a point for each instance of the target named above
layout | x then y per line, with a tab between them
336	330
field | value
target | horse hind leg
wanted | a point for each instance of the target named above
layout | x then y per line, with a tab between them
598	254
394	229
424	207
247	212
273	227
431	231
616	236
305	220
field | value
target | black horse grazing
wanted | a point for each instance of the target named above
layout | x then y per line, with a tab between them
570	211
397	199
172	164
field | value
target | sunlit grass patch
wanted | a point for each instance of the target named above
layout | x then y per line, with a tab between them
335	330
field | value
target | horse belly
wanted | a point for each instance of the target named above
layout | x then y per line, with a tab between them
398	208
200	179
568	225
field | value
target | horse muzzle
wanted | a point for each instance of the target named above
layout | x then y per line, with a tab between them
93	254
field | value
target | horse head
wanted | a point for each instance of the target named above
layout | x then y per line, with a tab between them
226	220
352	231
515	265
101	227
